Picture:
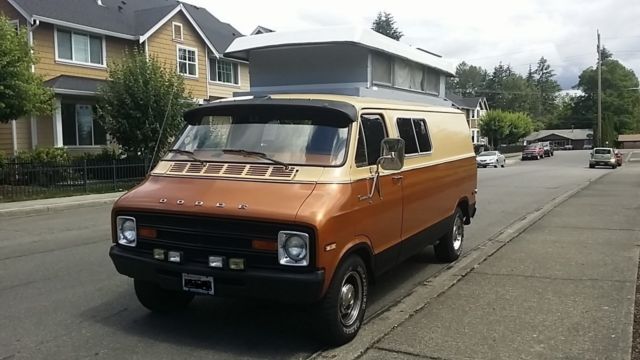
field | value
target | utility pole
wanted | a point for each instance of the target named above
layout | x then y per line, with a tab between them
599	135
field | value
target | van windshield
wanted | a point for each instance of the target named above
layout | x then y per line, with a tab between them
255	138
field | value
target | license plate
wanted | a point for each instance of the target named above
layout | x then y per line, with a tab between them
197	283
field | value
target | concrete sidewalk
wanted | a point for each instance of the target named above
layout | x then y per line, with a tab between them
34	207
564	288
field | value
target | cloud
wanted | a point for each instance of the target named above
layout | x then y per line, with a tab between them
484	34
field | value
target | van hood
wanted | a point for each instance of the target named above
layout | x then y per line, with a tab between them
279	201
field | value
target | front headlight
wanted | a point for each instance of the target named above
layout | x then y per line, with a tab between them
126	230
293	248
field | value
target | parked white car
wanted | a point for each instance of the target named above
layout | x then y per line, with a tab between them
490	158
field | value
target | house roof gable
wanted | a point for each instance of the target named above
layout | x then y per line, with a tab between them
572	134
129	19
464	102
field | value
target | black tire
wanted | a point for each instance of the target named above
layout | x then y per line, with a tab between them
614	167
504	163
495	166
592	166
449	248
341	322
157	299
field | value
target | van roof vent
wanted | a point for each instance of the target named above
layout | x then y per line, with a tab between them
249	171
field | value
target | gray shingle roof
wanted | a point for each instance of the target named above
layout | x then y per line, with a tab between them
464	102
65	83
129	17
573	134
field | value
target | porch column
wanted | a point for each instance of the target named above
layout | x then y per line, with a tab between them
14	137
34	132
57	124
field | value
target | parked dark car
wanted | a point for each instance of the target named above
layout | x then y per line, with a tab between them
548	148
533	151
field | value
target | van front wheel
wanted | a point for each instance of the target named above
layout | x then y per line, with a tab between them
343	306
449	248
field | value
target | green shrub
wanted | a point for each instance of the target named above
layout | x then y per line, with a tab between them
3	160
107	154
44	156
42	167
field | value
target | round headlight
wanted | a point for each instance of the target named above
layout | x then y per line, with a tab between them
128	231
295	248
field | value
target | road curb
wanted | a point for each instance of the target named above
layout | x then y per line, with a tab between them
385	321
48	208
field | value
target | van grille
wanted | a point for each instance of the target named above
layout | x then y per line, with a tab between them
232	170
200	237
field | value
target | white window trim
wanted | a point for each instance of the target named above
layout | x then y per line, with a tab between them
16	23
216	82
74	62
178	47
173	30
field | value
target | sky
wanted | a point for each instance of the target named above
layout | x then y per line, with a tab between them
483	33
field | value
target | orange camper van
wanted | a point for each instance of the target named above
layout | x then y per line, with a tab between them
298	198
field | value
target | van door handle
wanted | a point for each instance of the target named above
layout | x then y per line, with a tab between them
397	178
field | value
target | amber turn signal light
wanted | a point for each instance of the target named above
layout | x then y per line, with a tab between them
264	245
148	233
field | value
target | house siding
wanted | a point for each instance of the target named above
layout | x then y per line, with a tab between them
165	49
23	134
217	90
6	143
44	125
48	67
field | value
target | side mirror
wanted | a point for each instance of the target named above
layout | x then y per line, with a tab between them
391	154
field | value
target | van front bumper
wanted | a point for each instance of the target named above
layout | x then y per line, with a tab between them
292	287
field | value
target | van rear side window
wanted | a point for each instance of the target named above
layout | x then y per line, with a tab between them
370	136
415	134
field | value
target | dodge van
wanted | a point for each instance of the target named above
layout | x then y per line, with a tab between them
298	198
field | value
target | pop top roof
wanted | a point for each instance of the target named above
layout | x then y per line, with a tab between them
368	38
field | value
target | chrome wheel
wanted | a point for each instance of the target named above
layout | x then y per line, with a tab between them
350	298
458	233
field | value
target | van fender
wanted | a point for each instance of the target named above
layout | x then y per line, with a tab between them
360	245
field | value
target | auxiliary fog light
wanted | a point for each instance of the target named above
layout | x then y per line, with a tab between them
216	261
236	264
158	254
175	256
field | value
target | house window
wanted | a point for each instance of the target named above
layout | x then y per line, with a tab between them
187	61
223	71
370	136
79	126
177	31
415	134
16	24
79	47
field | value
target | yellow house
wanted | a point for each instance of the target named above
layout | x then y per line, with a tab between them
75	41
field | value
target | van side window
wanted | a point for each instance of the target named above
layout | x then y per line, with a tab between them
372	132
415	134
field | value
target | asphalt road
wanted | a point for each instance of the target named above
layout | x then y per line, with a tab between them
61	298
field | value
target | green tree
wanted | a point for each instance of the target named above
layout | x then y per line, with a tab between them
21	91
620	105
469	80
385	24
508	90
543	101
504	127
140	97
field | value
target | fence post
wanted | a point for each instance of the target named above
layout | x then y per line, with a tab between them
114	175
146	167
84	176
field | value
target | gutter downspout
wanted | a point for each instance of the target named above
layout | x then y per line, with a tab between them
34	125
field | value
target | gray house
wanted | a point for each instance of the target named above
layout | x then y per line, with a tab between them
564	138
342	60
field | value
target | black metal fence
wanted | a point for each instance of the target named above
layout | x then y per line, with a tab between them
26	180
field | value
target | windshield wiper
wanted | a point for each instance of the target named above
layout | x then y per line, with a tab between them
188	153
255	154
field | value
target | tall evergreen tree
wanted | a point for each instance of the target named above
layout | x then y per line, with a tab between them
385	24
469	80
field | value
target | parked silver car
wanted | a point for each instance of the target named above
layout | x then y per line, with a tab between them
603	157
490	158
